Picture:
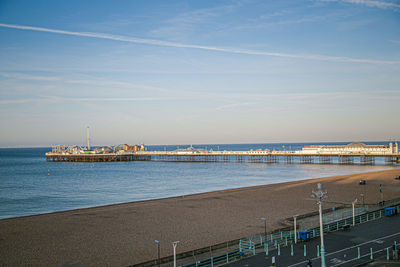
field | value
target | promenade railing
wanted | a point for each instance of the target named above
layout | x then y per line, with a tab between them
275	241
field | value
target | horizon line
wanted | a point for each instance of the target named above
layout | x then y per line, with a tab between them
198	144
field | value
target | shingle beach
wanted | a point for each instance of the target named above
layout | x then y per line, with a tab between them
124	234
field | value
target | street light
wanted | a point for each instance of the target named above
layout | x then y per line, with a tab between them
295	228
158	248
354	215
265	226
174	244
319	194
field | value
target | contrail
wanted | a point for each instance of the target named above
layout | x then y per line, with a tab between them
209	48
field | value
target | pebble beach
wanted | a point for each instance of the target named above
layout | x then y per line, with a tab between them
124	234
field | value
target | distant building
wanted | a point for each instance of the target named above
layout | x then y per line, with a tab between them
74	149
353	148
133	148
259	151
103	150
190	150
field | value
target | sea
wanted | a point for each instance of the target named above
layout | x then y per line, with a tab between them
29	185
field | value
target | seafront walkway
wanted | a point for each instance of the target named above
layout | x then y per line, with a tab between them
358	245
280	246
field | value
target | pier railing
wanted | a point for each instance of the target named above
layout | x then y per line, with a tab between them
231	156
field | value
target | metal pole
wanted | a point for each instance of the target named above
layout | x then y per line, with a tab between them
88	136
319	194
321	226
354	215
295	228
227	252
158	248
174	244
265	227
159	255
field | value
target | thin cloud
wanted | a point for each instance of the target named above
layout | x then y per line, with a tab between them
119	99
54	99
28	77
21	76
185	23
372	3
266	22
231	106
378	4
391	95
208	48
17	101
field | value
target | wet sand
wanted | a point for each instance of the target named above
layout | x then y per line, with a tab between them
124	234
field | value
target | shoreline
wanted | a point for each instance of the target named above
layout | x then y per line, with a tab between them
123	234
194	194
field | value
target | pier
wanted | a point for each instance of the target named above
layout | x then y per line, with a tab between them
309	155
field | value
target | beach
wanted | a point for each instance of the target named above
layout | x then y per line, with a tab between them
124	234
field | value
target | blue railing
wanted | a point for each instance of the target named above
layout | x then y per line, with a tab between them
274	241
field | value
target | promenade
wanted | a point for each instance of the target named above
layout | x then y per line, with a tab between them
343	248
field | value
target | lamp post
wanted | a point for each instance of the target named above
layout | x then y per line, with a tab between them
362	197
158	248
265	226
295	228
354	215
174	244
319	194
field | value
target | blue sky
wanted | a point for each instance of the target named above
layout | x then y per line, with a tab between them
181	72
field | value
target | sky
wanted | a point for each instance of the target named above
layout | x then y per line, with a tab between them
198	72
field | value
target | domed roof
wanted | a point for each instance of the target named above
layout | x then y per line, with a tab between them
356	145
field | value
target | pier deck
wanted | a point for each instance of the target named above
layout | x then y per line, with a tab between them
230	156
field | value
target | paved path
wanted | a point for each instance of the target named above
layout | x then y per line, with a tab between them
341	247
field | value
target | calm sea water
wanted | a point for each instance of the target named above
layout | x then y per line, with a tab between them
29	185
